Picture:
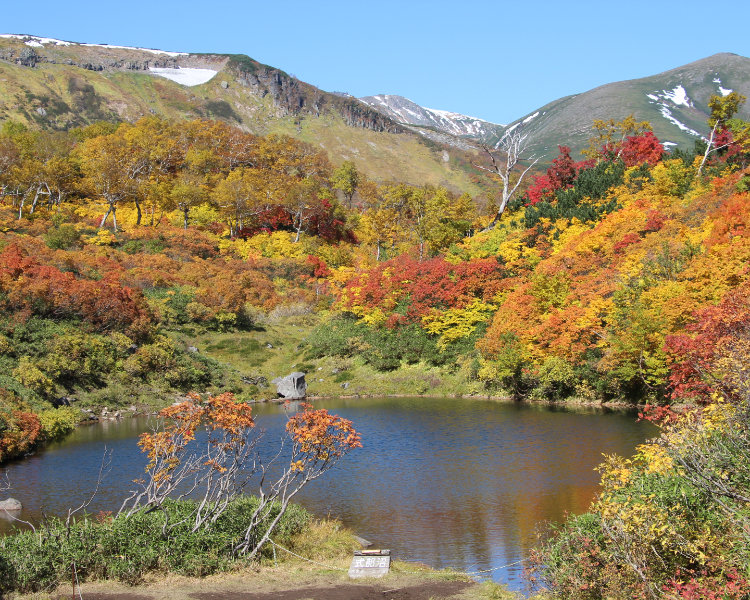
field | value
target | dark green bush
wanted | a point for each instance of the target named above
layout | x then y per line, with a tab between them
64	237
125	549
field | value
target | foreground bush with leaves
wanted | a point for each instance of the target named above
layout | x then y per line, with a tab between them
207	450
125	548
674	520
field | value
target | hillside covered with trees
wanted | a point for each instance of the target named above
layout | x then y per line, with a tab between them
619	278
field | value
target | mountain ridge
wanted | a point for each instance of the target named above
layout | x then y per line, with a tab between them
674	101
264	99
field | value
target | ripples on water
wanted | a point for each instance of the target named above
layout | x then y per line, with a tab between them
451	483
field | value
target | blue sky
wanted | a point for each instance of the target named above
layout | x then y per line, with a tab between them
495	60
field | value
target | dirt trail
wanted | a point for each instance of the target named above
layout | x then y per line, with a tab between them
425	591
277	584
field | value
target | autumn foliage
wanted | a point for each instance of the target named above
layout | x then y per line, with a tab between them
214	446
29	287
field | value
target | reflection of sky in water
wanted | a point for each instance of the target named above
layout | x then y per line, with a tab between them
451	483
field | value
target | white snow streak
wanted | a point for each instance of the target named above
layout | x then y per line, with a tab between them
185	75
34	41
678	95
667	114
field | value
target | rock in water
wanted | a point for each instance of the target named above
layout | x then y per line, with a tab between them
291	387
10	504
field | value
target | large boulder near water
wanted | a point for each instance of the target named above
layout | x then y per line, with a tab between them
10	504
291	387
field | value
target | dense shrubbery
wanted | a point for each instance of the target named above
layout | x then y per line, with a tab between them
385	349
668	522
126	549
672	520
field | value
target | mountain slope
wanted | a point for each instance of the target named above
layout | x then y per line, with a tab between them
403	110
56	84
674	102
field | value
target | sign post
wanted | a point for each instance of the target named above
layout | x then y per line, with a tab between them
370	563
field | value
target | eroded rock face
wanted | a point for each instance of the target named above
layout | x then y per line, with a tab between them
11	504
291	387
28	57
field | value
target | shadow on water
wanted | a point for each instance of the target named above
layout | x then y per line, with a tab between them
447	482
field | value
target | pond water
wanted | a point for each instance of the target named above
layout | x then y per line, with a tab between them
447	482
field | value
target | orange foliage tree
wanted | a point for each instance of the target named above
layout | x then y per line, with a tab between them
211	449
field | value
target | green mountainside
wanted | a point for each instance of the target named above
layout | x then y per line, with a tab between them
674	102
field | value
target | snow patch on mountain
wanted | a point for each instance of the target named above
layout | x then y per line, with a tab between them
407	112
34	41
722	90
678	95
185	75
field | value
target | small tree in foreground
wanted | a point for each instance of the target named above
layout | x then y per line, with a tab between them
209	451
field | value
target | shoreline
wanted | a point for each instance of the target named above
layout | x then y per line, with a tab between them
613	406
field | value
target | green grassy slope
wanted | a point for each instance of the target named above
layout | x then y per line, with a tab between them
568	120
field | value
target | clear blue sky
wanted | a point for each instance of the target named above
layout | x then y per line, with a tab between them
495	60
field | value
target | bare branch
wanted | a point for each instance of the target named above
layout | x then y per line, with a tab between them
512	145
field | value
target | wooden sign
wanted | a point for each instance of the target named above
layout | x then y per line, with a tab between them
370	563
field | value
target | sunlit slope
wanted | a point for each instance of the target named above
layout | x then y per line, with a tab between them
674	102
116	84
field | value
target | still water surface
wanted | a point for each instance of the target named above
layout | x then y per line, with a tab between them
450	483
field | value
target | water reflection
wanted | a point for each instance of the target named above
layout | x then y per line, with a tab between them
450	483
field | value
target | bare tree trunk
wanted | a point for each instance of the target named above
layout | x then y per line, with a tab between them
512	144
104	218
138	212
709	145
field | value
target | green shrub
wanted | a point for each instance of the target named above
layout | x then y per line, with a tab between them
126	549
59	422
64	237
385	349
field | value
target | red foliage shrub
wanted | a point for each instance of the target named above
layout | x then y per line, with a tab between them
32	288
560	175
639	149
412	288
20	434
718	330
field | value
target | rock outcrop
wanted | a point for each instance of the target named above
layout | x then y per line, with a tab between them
11	504
291	387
